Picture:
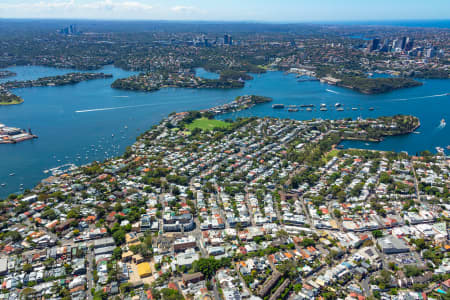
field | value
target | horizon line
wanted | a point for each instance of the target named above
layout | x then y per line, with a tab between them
327	22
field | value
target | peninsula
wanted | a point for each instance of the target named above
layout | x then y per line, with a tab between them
8	98
212	197
150	82
243	208
377	85
6	74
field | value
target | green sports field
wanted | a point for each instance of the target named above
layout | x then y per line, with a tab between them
207	124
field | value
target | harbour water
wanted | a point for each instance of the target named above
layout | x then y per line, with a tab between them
90	121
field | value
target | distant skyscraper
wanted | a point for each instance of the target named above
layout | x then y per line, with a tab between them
373	45
409	44
227	39
403	44
430	52
395	44
73	29
70	30
386	46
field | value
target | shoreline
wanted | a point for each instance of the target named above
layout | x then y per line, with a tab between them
208	105
169	86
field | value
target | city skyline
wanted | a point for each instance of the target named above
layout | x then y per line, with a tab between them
233	10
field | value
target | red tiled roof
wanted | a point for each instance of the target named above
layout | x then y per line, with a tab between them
172	286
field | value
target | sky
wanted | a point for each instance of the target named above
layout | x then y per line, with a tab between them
229	10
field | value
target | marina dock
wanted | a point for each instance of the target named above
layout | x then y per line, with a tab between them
311	107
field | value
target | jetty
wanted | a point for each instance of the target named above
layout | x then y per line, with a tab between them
240	103
307	79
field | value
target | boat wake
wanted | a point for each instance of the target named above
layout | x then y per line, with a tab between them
422	97
112	108
331	91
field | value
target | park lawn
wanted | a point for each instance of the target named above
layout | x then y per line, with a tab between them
207	124
327	157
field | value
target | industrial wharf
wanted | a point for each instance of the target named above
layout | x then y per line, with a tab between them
12	135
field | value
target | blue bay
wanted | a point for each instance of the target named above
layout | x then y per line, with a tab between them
90	121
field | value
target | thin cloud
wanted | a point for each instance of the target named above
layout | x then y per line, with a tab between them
184	9
73	5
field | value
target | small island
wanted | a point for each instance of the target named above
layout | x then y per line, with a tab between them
6	74
8	98
150	82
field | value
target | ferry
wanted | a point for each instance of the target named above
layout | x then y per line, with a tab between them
443	123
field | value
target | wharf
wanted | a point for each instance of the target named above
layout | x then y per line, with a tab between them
12	135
